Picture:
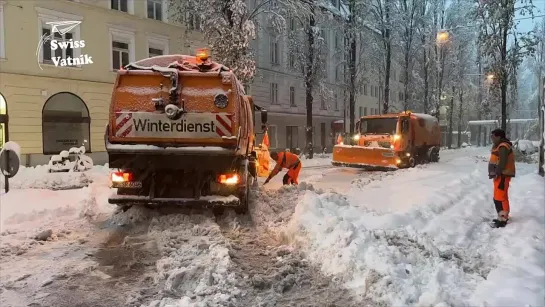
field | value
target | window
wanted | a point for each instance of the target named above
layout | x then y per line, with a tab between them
157	45
120	54
292	137
291	60
120	5
154	52
65	123
323	35
155	9
365	111
2	37
274	93
47	54
274	50
337	42
193	21
292	96
365	89
336	102
122	47
322	103
400	96
338	72
292	24
360	111
3	120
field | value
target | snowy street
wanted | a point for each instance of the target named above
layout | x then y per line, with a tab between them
343	237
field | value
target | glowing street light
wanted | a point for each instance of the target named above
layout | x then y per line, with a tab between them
490	77
442	36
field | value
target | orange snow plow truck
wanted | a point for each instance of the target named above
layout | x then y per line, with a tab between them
391	141
181	131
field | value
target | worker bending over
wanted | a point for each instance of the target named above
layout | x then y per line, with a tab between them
501	168
287	160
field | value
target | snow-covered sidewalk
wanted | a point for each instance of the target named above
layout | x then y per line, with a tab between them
417	237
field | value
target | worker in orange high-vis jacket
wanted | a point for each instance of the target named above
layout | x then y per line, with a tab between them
287	160
501	168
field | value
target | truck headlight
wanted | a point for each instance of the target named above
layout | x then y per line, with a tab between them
356	137
221	101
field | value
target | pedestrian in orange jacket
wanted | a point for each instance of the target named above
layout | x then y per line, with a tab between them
287	160
501	168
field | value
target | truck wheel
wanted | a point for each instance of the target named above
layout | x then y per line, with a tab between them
412	162
244	198
433	154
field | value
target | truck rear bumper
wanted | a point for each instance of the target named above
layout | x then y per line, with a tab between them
204	201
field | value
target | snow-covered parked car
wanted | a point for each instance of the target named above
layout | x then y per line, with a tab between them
72	160
526	147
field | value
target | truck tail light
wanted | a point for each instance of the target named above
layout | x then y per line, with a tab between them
228	179
121	177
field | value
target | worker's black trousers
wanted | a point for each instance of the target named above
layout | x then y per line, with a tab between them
286	179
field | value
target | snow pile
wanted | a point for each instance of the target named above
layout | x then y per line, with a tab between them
195	263
527	147
419	239
39	178
273	207
28	216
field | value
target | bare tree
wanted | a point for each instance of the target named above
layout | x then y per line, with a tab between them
230	25
382	16
407	20
497	29
307	54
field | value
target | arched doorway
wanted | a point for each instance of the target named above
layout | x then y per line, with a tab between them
65	123
4	137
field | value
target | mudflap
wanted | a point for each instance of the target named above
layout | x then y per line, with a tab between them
364	157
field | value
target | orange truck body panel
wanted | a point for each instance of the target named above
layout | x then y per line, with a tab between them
180	158
391	147
135	90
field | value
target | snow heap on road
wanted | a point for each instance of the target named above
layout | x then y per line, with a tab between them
38	177
418	238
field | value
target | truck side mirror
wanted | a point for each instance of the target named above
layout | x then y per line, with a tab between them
405	126
263	119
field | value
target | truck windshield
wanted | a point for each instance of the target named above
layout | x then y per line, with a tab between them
378	126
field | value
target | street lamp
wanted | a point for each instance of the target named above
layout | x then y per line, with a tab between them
490	77
442	36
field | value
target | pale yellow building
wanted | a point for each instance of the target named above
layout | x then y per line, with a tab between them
47	108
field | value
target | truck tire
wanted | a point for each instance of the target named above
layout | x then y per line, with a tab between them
433	154
244	198
411	162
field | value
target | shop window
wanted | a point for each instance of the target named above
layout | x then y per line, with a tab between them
3	121
65	123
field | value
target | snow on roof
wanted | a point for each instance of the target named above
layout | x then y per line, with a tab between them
340	121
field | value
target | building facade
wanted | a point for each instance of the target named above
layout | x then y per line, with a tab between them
279	88
47	108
